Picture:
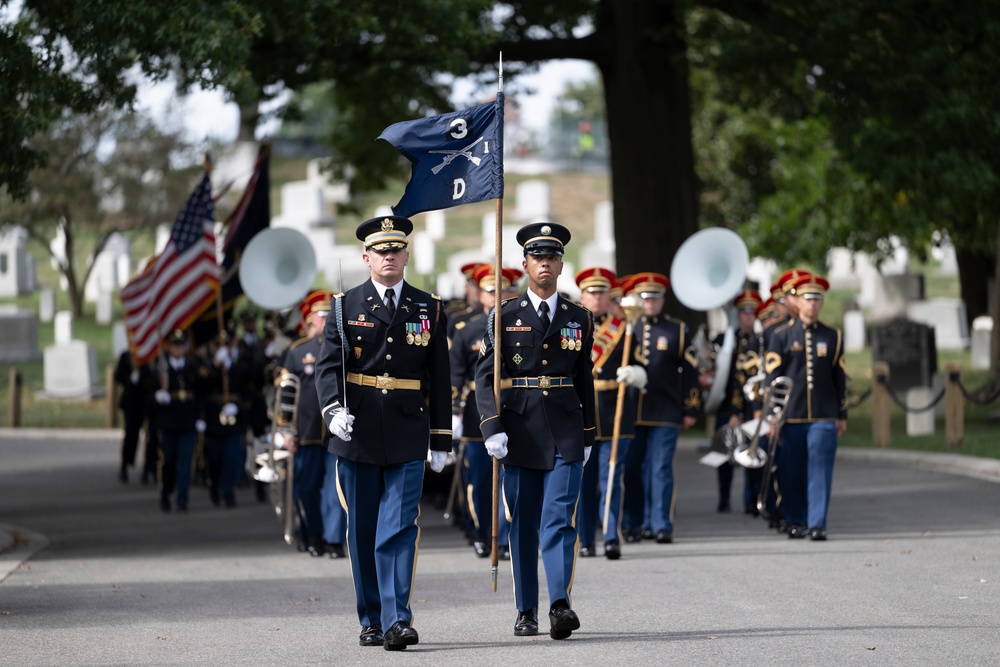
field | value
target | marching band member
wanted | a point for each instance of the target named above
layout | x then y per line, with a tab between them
769	315
667	405
388	340
465	348
545	426
734	408
607	353
812	355
321	517
471	307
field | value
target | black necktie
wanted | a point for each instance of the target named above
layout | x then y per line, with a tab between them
390	303
543	314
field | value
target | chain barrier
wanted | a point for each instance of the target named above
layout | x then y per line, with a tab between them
855	401
972	398
883	380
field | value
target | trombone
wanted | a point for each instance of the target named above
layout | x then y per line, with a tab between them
775	397
280	451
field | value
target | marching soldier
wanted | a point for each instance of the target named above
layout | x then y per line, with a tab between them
383	351
177	414
769	315
544	429
607	354
734	408
134	382
226	375
667	405
321	517
812	355
465	349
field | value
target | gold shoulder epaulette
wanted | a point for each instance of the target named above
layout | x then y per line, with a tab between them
298	342
435	296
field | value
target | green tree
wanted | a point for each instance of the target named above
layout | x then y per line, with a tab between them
106	172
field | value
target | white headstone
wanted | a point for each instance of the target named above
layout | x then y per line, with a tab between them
899	259
532	201
761	271
13	263
594	254
302	206
119	339
982	332
19	333
604	226
840	269
893	293
854	331
919	423
71	371
381	210
422	251
105	307
46	304
435	224
947	316
63	327
512	254
162	237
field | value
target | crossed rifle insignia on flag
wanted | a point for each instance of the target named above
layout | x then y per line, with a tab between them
450	156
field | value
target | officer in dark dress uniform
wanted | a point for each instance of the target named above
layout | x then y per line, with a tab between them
668	404
465	352
812	355
545	427
607	354
315	487
225	373
735	408
389	340
135	382
177	412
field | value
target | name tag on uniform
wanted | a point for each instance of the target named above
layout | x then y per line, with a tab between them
360	324
517	329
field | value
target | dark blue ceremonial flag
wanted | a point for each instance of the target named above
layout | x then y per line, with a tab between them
457	158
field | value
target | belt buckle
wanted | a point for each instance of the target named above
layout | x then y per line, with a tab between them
544	382
384	382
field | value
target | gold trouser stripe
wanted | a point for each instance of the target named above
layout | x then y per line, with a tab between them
382	382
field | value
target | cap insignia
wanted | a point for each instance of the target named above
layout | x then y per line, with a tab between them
546	230
386	225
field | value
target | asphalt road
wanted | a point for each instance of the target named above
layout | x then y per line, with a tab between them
92	573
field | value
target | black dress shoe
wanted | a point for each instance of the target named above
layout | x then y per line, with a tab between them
123	474
817	535
315	549
164	503
664	537
371	635
632	536
646	534
796	532
588	551
612	551
300	547
336	551
504	553
562	622
481	549
526	624
400	636
723	506
213	495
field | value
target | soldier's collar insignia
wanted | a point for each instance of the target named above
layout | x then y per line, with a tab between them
523	304
565	307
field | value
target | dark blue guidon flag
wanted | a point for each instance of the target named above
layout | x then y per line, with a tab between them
457	158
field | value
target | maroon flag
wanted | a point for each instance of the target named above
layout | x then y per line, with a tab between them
180	284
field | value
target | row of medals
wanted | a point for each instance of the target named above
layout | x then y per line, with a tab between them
416	337
575	344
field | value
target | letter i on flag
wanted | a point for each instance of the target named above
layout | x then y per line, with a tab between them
457	158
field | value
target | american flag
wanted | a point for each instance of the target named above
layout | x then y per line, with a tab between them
182	281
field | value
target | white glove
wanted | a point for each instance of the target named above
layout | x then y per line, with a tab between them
162	396
633	376
134	377
200	425
456	427
496	445
341	424
222	357
586	454
438	459
230	410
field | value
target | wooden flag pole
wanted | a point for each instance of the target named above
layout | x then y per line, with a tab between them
497	273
